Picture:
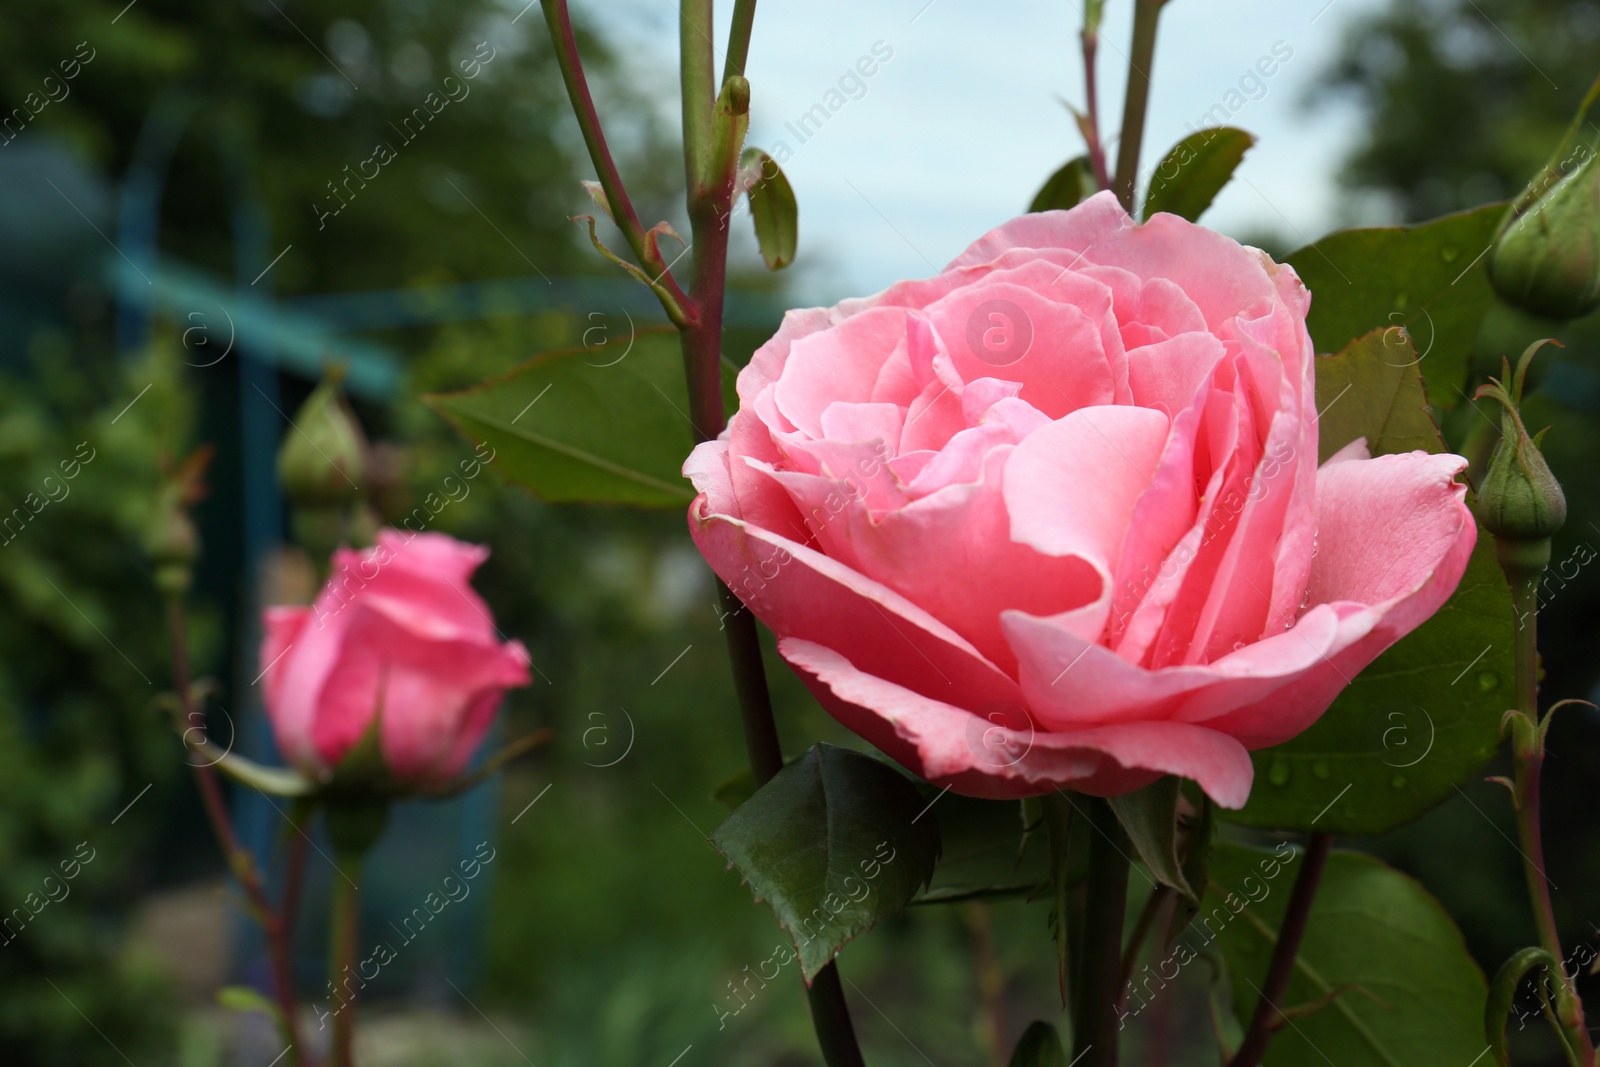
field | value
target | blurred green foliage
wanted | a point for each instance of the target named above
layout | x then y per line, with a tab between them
80	647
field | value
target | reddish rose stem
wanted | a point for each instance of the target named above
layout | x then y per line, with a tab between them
1266	1020
239	861
1097	152
1528	756
677	305
698	316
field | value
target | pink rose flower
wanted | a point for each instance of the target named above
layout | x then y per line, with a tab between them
397	628
1053	518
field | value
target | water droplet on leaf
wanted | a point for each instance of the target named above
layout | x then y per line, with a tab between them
1321	769
1398	781
1278	773
1488	681
1449	254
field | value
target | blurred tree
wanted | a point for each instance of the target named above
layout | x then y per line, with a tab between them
1464	98
371	163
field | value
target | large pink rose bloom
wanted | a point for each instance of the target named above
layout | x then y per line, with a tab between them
399	628
1054	518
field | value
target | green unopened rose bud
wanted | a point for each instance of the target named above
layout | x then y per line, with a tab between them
323	457
171	539
173	544
1519	500
1546	260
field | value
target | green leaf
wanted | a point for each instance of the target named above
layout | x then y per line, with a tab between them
244	999
1373	389
835	843
735	789
1503	995
1371	928
1150	816
1067	187
1425	715
1058	810
587	425
984	851
1039	1046
772	207
1194	172
1429	278
1196	858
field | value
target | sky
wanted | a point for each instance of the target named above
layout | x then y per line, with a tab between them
955	131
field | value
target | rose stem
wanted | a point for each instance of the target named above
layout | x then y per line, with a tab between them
1145	15
672	298
699	320
1094	1009
744	16
991	981
344	932
1265	1022
1090	35
1528	754
711	187
1154	907
239	861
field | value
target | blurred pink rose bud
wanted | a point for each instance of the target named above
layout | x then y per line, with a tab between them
397	628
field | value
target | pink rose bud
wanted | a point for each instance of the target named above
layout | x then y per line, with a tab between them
398	628
1053	518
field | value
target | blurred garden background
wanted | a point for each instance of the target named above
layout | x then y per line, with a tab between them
183	250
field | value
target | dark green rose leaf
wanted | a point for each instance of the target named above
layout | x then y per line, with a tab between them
1373	389
1067	187
985	850
1150	816
1429	278
1412	995
607	424
834	844
1194	172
